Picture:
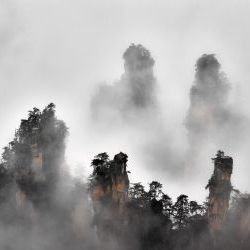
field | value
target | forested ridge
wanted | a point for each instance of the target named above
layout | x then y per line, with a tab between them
35	193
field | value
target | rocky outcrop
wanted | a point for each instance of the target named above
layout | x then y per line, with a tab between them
110	183
109	193
219	191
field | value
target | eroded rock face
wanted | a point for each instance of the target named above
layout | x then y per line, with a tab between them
111	183
219	191
242	215
31	177
120	181
109	194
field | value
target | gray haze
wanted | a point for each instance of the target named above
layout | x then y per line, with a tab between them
133	95
211	120
61	50
130	107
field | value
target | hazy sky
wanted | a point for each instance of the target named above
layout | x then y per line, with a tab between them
60	50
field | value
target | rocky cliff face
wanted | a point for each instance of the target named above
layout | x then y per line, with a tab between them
219	191
109	194
38	154
111	183
241	213
120	182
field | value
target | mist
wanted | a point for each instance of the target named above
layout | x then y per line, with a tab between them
130	106
213	119
63	58
165	82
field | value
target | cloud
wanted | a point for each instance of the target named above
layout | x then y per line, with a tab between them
130	106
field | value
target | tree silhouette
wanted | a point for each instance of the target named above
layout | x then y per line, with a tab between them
155	190
167	205
181	211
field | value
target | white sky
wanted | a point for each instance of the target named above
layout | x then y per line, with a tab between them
59	50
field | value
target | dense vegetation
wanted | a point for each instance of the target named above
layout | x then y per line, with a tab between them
152	220
149	218
47	133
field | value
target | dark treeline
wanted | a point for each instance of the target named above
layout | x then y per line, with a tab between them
42	207
150	219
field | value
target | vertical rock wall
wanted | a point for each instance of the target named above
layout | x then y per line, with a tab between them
109	195
219	191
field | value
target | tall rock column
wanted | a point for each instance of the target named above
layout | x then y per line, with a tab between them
110	183
120	182
219	191
108	191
